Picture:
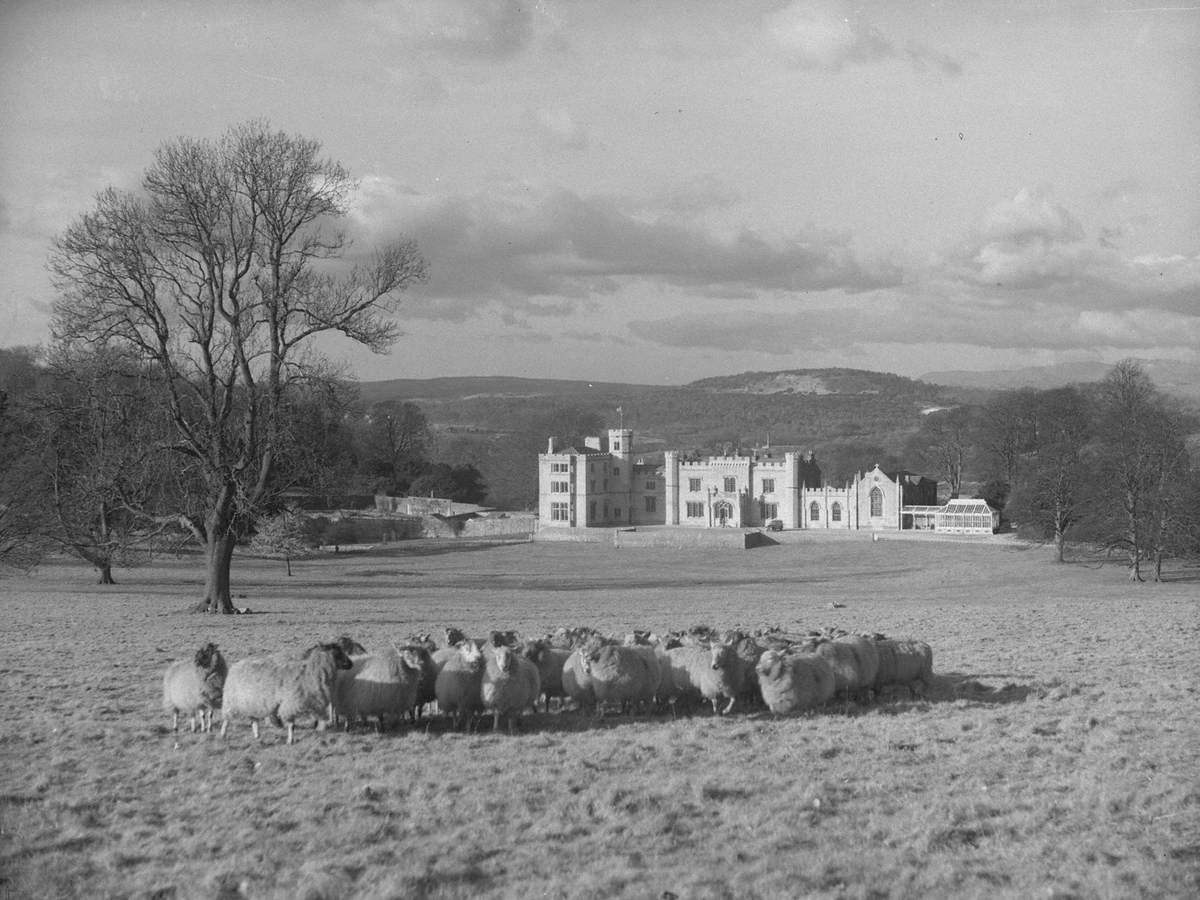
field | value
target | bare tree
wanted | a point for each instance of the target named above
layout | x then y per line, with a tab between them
1057	487
1005	430
219	274
99	477
943	443
1141	456
397	437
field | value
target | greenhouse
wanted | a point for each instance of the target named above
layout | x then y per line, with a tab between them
967	517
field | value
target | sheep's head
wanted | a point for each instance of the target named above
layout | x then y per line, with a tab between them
722	656
341	659
534	650
471	654
413	658
505	658
454	636
770	664
421	639
350	646
207	656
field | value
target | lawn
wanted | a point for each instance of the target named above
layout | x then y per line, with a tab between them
1058	754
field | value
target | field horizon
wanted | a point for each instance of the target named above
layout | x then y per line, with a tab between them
1054	755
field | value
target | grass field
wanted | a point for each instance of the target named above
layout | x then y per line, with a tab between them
1058	755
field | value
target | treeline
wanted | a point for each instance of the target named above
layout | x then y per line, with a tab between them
1111	465
90	465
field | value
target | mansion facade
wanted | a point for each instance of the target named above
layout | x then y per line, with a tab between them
605	485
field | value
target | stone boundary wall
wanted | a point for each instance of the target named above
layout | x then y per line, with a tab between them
511	525
681	538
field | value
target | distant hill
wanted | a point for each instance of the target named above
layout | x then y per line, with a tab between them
851	418
815	381
459	388
1171	376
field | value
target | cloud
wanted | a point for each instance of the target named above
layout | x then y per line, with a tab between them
516	243
693	196
823	36
558	129
485	30
1031	243
895	320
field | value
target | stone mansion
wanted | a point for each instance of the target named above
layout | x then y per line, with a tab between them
605	485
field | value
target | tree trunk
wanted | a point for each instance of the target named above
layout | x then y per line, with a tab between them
105	573
219	558
1060	545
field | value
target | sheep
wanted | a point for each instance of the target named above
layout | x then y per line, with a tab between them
421	655
903	662
282	689
549	661
510	684
791	682
458	685
710	672
747	650
577	683
854	660
195	687
623	674
350	646
378	686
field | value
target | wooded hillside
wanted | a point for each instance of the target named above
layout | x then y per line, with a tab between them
850	418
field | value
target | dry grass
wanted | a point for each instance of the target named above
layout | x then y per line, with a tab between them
1057	757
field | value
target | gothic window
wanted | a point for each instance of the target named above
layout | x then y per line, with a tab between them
836	512
876	502
814	512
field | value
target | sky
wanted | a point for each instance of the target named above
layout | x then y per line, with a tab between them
656	192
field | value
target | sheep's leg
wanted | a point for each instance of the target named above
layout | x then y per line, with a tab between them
729	708
496	721
291	732
175	721
224	727
254	728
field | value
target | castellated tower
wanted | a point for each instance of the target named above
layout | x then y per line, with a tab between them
620	441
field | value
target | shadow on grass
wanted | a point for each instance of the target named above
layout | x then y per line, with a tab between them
947	687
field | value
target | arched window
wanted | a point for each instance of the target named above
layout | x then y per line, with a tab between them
836	512
814	512
876	502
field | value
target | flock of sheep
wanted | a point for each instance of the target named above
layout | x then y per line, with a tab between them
504	676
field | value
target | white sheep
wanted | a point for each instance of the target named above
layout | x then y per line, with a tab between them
624	675
903	662
855	663
378	686
194	687
577	683
282	689
509	686
712	672
459	682
791	682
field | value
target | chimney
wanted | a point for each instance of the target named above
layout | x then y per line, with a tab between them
550	446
